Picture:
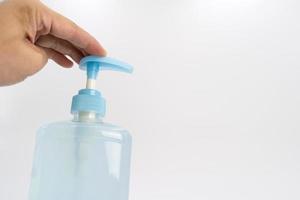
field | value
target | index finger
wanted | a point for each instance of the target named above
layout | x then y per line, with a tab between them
66	29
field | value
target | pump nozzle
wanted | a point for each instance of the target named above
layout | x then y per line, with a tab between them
89	100
93	64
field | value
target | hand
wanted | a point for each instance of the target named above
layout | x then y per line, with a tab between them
31	33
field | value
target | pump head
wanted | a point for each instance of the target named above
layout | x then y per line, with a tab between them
89	99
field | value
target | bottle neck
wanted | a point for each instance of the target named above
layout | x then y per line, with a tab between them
87	117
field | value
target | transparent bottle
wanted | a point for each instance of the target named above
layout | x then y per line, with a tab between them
84	158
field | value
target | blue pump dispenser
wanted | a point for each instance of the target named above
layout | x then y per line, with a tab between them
84	158
89	99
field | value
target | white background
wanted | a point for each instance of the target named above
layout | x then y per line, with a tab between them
213	104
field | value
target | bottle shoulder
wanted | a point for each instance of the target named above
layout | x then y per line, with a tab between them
70	128
70	123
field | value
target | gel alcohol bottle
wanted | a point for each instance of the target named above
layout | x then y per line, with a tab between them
84	158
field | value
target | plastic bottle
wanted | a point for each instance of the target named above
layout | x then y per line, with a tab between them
84	158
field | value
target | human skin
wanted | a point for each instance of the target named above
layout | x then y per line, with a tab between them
31	33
